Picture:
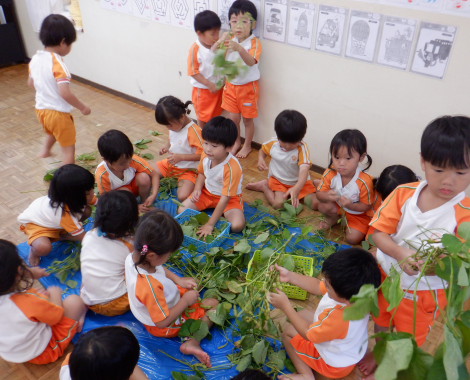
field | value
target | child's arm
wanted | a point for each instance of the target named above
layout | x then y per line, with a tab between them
295	190
64	91
310	284
210	85
261	160
184	282
327	196
222	38
176	157
207	228
244	55
31	83
165	148
70	237
201	178
188	299
155	185
358	206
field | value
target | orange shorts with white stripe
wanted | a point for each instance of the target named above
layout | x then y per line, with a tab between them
58	124
206	104
118	306
276	185
241	99
359	222
208	200
182	174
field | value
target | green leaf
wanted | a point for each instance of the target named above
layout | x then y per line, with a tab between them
141	146
452	355
189	231
465	331
261	238
362	303
465	318
288	263
194	326
244	363
260	351
462	279
184	330
178	376
285	234
289	365
272	328
266	253
395	293
451	243
464	231
227	296
71	284
247	341
397	357
234	287
306	230
218	316
371	241
446	272
155	133
202	218
299	209
365	245
290	209
242	246
148	156
202	332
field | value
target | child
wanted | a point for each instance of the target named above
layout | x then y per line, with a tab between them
121	169
241	94
104	252
105	353
290	163
439	203
158	297
207	99
322	340
50	78
35	327
184	145
219	182
58	215
345	186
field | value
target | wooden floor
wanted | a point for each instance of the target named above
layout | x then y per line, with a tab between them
21	172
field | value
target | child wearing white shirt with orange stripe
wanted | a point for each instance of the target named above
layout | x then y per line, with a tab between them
50	78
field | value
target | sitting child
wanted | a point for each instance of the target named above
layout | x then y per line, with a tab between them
35	326
104	252
58	215
121	169
290	163
322	340
158	297
184	145
219	182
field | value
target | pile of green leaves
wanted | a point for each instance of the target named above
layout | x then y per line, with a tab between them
191	226
65	269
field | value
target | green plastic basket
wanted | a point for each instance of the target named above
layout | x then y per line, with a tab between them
290	290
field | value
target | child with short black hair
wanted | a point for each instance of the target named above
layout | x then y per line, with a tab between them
322	340
35	326
58	215
104	252
121	169
219	182
50	78
207	98
290	163
184	145
158	297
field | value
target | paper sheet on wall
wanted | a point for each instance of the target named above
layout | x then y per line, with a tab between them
396	42
427	5
181	14
275	20
38	10
200	5
301	20
457	7
141	8
432	52
161	11
124	6
223	7
330	29
362	35
108	4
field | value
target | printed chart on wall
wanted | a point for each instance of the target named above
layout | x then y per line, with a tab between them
457	7
161	11
141	8
108	4
330	29
362	36
396	42
181	13
223	7
200	5
124	6
433	49
275	20
301	19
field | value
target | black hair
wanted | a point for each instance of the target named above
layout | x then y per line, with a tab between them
114	144
10	261
117	214
347	270
354	140
251	374
220	130
206	20
391	177
160	232
170	108
56	28
290	126
105	353
242	7
446	142
69	186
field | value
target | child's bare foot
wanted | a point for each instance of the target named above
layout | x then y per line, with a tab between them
192	347
235	148
367	365
258	186
296	376
245	151
44	153
329	222
33	259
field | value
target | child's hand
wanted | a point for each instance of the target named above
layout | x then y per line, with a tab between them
38	272
344	202
186	282
223	37
191	296
205	230
284	274
279	299
54	291
149	201
195	196
262	164
332	196
232	45
212	88
85	110
175	158
163	151
143	209
407	263
294	194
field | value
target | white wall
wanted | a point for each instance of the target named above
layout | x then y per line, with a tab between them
148	60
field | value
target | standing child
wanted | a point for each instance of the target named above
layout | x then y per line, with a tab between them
437	204
184	145
50	78
207	99
58	215
35	327
158	297
219	182
104	252
241	95
290	163
345	186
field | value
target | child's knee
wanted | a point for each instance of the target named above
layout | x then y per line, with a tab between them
288	333
42	246
354	236
325	208
142	180
73	307
237	225
210	302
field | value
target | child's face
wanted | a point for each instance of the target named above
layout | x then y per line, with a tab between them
120	165
215	152
89	196
154	260
345	163
332	294
209	37
241	26
287	147
176	125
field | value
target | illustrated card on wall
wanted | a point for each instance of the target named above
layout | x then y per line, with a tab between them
181	14
223	6
141	8
330	29
396	42
124	6
457	7
161	11
108	4
301	19
433	48
362	35
275	20
427	5
200	5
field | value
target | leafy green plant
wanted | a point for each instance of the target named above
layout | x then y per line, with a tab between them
155	133
191	227
65	269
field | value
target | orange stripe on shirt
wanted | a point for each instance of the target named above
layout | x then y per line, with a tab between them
195	138
149	291
232	177
255	49
193	63
140	165
58	70
304	154
325	183
266	147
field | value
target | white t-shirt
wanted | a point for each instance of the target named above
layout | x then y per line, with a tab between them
223	179
187	140
253	46
200	62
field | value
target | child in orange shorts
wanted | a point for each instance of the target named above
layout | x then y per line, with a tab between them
184	145
345	188
290	163
35	326
50	78
219	182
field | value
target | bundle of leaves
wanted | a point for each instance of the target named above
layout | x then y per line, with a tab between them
167	184
191	227
227	69
65	269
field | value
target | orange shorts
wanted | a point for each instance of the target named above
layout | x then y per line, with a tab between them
276	185
181	174
370	231
62	334
426	311
206	104
33	231
241	99
308	353
58	124
132	187
208	200
115	307
358	222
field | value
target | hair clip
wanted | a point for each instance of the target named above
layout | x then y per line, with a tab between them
100	233
144	250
